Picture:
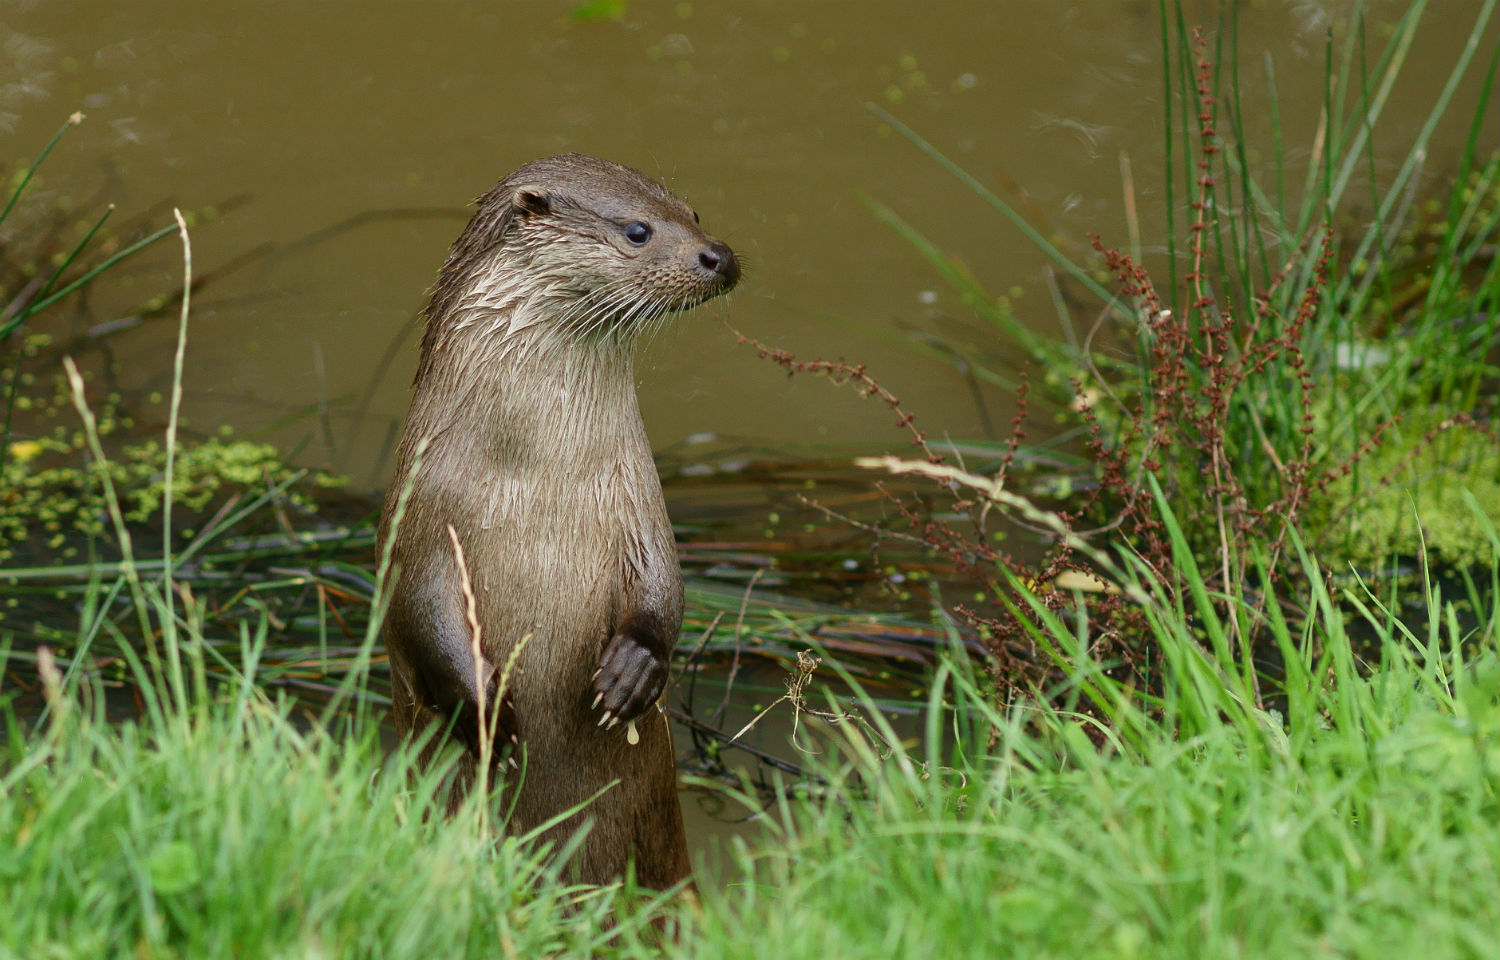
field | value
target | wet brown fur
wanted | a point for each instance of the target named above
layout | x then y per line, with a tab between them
534	450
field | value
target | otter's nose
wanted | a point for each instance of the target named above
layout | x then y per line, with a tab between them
718	258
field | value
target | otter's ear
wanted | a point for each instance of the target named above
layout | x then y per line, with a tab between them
498	211
531	201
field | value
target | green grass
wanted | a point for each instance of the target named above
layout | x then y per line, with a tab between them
1359	818
239	829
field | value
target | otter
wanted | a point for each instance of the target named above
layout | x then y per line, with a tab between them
524	437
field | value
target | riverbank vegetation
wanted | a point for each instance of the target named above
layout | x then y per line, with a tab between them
1356	817
1229	687
1274	366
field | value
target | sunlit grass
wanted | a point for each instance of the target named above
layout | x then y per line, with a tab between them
1360	818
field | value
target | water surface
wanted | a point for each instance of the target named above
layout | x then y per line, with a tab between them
755	112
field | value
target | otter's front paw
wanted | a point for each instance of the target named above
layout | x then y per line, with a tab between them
505	743
630	678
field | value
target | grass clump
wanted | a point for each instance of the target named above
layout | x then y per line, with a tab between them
236	828
1360	817
1357	816
1279	339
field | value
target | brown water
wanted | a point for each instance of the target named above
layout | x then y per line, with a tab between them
754	111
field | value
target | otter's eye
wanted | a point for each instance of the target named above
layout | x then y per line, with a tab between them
638	233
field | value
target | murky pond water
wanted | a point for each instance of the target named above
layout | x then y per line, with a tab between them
315	113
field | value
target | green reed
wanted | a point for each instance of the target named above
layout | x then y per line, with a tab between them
1329	365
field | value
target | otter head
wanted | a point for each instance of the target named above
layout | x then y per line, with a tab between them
579	248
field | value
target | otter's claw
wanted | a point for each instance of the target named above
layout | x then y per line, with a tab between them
631	677
506	731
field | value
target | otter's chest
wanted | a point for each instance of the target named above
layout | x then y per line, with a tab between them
577	523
